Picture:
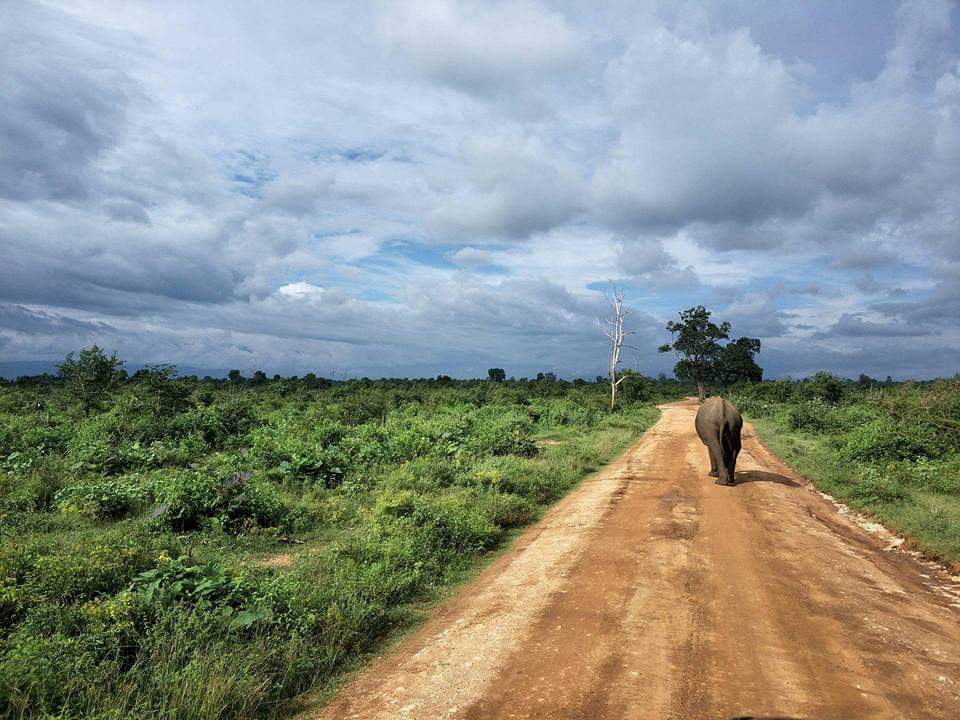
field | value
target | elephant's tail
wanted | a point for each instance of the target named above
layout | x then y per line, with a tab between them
727	443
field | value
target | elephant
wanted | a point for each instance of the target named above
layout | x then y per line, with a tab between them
718	425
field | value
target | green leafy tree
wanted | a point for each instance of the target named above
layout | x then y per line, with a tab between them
635	388
697	341
826	387
259	378
497	374
91	377
234	376
737	362
160	386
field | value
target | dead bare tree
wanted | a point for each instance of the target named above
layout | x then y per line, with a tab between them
616	333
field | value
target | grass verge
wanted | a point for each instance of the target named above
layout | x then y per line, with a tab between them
916	502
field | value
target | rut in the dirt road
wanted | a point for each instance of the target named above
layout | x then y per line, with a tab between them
651	592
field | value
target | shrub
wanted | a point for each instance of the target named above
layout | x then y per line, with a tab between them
176	581
551	412
824	387
50	571
513	475
297	453
453	520
34	489
500	431
808	416
40	676
24	435
935	476
884	439
191	497
104	500
874	486
507	510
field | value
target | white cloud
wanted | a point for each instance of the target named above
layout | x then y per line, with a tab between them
481	47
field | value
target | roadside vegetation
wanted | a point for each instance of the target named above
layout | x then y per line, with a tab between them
185	548
890	449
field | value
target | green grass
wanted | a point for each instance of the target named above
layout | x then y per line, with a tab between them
131	575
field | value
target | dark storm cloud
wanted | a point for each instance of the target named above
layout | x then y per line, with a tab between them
20	319
64	104
855	326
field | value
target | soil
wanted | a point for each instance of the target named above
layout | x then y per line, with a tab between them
651	592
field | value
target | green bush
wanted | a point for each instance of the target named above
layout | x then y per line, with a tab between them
60	570
189	498
551	412
501	431
289	450
176	581
872	486
34	489
824	387
385	491
41	676
453	520
507	510
885	439
939	476
104	500
809	416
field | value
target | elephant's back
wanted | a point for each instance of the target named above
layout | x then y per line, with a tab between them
709	416
717	411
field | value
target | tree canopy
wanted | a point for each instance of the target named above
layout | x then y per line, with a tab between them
91	376
703	359
497	374
737	362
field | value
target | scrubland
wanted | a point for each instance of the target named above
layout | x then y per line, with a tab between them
207	549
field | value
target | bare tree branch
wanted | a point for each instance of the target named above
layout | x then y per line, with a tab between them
616	334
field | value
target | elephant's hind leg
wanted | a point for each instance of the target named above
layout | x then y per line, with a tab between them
731	449
718	462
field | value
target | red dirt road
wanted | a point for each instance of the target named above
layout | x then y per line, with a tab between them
651	592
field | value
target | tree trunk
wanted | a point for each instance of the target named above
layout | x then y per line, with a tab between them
616	334
701	392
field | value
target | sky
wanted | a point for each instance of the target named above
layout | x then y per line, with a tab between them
416	188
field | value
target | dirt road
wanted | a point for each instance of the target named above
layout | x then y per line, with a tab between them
651	592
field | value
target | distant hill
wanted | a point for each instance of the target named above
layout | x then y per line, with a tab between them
13	370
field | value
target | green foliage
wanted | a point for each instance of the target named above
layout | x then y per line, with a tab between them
696	340
161	391
91	377
824	387
189	498
810	416
206	587
497	374
884	439
103	500
737	364
635	388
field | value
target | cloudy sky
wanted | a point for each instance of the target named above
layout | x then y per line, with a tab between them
397	188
